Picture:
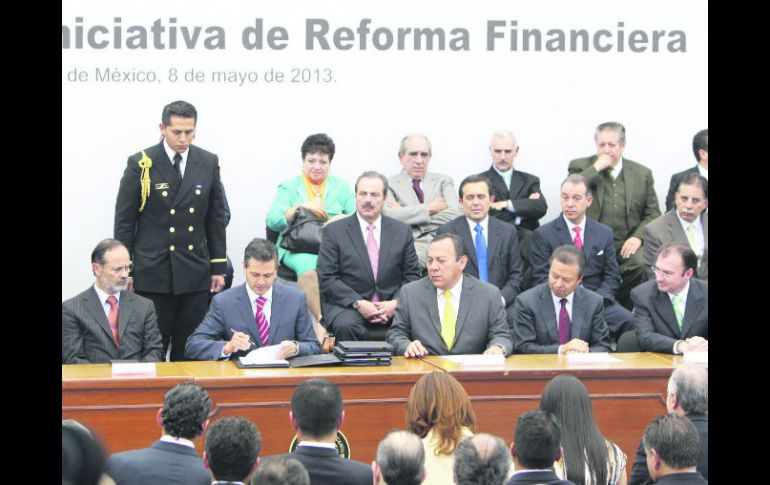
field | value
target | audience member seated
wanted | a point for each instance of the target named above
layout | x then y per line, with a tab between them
536	447
82	456
172	460
439	411
482	459
700	147
106	322
687	223
242	318
672	312
324	194
364	260
672	446
400	460
424	200
232	450
561	316
594	239
687	395
316	415
468	312
492	245
625	200
281	471
589	457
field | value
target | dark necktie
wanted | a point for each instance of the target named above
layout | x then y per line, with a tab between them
418	190
565	324
177	165
113	318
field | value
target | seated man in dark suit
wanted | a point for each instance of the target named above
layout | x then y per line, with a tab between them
364	260
447	312
316	415
536	447
106	322
232	450
672	312
561	316
492	245
172	460
481	459
688	396
594	239
400	459
672	446
243	318
700	147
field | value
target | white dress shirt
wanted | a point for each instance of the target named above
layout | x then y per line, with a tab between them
170	152
455	292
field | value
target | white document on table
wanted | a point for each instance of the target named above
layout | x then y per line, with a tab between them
592	358
265	356
477	360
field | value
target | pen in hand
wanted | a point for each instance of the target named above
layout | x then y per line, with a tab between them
248	337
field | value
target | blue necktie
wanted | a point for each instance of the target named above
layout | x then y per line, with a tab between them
481	254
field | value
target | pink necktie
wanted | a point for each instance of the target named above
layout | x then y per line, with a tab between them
565	324
374	255
263	326
113	318
577	241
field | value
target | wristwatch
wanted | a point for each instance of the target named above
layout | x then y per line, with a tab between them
356	304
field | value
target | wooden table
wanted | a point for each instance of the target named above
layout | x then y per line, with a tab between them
122	410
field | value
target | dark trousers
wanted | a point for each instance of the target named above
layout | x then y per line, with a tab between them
619	319
632	274
178	317
350	325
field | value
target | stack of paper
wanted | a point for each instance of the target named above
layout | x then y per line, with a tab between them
264	357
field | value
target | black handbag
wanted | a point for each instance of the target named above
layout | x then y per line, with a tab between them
304	232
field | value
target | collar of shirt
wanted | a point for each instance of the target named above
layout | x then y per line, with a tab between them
617	168
179	441
103	300
544	470
484	226
170	153
696	222
507	175
572	226
703	171
267	307
557	304
455	293
409	178
318	444
365	230
682	294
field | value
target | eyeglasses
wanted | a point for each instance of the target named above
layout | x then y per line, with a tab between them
665	274
119	269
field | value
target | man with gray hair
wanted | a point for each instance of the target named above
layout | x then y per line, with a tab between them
424	200
255	314
688	396
400	460
672	447
281	471
482	459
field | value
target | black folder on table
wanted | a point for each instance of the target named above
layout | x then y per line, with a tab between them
343	354
314	360
365	346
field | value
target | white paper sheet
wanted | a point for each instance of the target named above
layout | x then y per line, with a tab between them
133	368
264	356
474	360
592	358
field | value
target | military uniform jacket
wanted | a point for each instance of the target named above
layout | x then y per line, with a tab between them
177	241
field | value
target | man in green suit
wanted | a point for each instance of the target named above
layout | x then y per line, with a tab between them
624	199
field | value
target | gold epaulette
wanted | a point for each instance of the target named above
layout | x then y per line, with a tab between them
144	179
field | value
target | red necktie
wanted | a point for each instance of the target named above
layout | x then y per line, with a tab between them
418	190
577	241
263	326
113	318
565	324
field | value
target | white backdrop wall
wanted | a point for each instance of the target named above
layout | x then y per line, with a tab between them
551	98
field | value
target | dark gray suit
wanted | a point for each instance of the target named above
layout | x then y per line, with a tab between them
163	462
538	478
326	467
480	319
86	337
656	321
667	229
536	329
231	310
523	185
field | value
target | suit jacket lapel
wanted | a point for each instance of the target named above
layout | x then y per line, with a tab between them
407	193
494	239
665	308
96	310
578	312
165	168
517	183
630	178
498	184
693	307
386	240
431	302
599	189
357	240
125	312
674	227
466	296
563	231
467	238
276	317
192	170
243	307
549	314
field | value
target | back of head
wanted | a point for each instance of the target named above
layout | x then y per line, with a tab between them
690	384
537	439
281	471
700	142
401	458
567	398
185	408
232	448
482	459
82	455
675	439
438	402
317	406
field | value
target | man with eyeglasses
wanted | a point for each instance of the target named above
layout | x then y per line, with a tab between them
672	311
106	322
424	200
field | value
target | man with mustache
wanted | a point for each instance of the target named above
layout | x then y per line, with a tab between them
364	261
106	322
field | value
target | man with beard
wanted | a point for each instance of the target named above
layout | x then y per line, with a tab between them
106	322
